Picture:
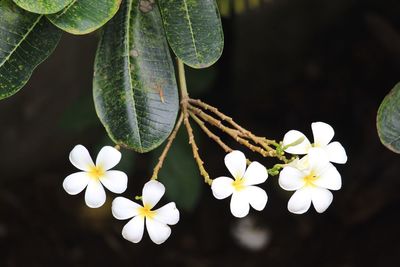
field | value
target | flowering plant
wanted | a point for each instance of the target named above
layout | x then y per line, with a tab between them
142	100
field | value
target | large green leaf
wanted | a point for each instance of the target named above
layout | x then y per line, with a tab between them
26	39
194	30
180	174
84	16
134	87
388	120
43	6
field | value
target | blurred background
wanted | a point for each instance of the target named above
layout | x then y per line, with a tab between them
285	65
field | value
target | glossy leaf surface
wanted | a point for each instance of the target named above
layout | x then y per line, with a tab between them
85	16
134	88
43	6
26	39
194	30
388	120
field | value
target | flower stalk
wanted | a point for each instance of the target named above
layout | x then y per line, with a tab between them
210	134
164	153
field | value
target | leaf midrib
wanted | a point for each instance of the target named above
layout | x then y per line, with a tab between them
20	42
65	10
191	30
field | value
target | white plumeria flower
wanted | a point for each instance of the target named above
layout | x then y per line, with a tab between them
242	188
157	221
94	176
310	177
323	134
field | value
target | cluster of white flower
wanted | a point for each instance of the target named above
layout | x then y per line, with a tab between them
94	176
311	177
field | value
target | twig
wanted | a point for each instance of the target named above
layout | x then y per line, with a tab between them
256	139
231	132
195	149
210	134
163	155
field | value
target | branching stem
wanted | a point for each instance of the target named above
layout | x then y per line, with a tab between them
258	140
195	109
210	134
231	132
185	112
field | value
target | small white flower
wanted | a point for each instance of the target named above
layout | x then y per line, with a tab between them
242	188
157	221
310	177
94	176
323	134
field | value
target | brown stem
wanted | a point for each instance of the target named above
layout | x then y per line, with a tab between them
163	155
245	133
231	132
195	149
210	134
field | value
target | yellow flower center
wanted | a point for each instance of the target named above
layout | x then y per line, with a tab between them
238	184
310	179
96	172
146	212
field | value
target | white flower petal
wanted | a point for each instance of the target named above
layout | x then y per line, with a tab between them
294	136
95	196
300	164
236	163
108	158
300	201
123	208
158	231
255	174
291	178
133	230
167	214
80	158
317	159
329	178
239	204
115	181
222	187
321	199
322	132
76	182
256	196
152	193
336	153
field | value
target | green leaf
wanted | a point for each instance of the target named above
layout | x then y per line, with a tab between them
43	6
85	16
134	87
388	120
194	30
180	174
26	39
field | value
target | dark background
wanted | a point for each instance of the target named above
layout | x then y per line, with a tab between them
285	65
